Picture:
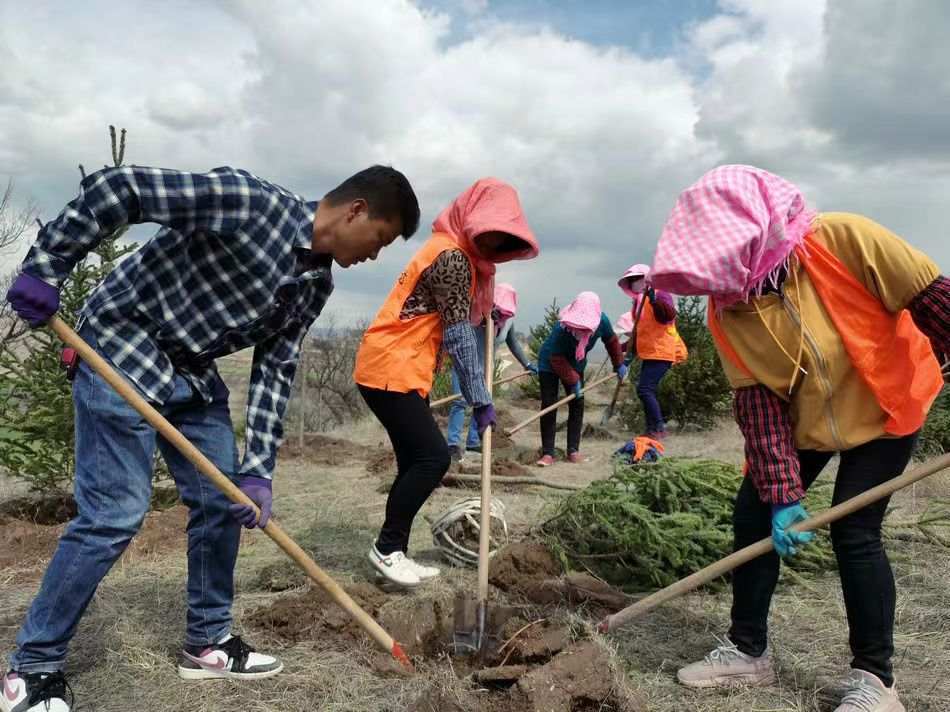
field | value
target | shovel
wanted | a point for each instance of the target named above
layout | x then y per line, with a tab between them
609	412
556	405
745	555
456	396
209	470
473	625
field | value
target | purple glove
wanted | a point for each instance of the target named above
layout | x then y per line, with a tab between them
484	416
258	489
32	299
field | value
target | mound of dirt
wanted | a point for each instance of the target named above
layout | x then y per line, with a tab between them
25	544
313	614
518	565
575	680
324	450
45	511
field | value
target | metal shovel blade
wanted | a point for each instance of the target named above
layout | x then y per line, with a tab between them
466	637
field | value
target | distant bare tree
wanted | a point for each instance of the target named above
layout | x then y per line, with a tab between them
13	221
325	395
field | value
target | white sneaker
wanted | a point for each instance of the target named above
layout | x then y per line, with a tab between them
422	571
35	692
231	658
727	666
394	567
866	693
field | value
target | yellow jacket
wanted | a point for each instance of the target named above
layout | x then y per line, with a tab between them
831	407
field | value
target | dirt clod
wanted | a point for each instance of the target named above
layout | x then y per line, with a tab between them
535	644
579	678
281	576
322	449
436	699
500	676
518	565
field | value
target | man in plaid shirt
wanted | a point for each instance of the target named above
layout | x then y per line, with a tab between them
238	262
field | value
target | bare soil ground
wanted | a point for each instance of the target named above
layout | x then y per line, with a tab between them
326	496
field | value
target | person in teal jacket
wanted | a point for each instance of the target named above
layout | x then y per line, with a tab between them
563	358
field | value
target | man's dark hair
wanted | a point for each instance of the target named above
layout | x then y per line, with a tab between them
387	194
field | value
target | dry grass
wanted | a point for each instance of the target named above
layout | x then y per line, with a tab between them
124	653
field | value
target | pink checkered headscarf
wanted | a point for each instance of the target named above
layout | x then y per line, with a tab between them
729	234
506	304
581	317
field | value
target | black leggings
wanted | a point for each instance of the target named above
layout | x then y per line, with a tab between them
575	415
422	459
866	577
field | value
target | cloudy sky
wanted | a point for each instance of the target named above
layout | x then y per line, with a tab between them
598	112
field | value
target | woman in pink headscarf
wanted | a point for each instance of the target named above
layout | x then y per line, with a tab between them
506	305
656	342
563	360
826	326
445	292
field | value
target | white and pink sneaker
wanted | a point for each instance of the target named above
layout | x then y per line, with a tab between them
35	692
231	658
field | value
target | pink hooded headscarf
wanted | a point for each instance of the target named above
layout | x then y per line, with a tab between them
637	270
582	317
730	234
506	304
489	205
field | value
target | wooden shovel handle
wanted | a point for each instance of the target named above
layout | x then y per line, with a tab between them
630	342
484	534
734	560
555	406
230	490
456	396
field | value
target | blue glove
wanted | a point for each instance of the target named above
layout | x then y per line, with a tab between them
784	516
32	299
484	416
533	367
621	372
258	490
576	390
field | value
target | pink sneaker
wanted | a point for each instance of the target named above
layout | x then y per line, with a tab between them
545	461
576	458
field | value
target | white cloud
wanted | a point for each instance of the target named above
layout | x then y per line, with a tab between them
598	140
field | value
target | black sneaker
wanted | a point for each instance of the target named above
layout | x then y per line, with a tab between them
455	454
231	658
474	448
35	692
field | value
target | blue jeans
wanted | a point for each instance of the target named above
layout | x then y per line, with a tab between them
460	407
115	448
457	412
651	373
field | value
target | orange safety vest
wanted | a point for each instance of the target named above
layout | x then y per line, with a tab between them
401	354
894	359
660	342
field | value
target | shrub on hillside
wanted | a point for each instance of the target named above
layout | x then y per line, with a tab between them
935	436
531	386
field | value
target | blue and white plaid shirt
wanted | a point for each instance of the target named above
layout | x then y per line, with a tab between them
230	268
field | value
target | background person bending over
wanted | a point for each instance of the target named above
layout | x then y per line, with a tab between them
563	359
506	305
